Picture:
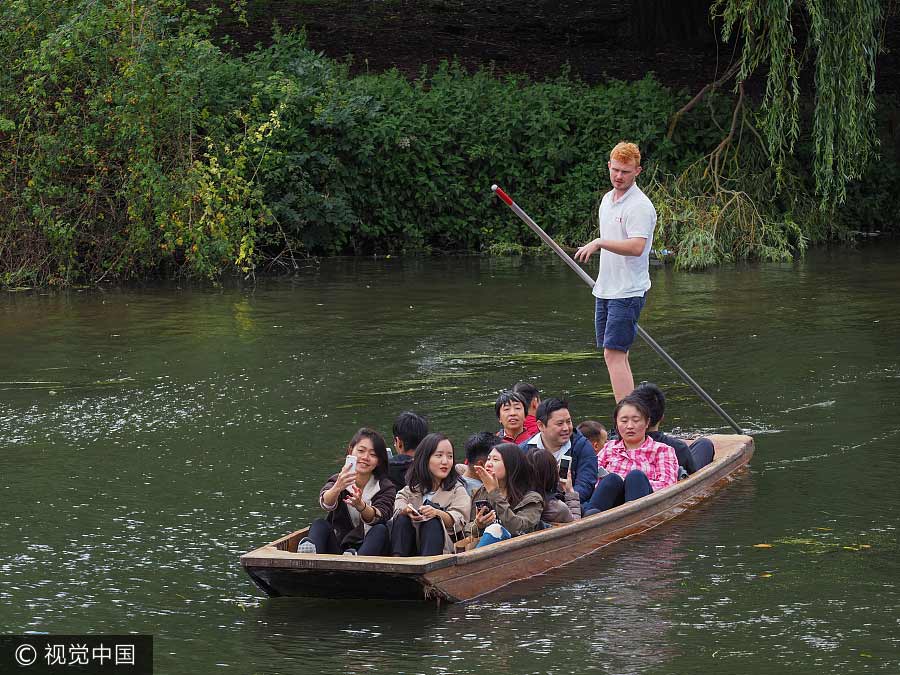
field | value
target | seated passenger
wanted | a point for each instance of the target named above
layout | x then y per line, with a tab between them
637	464
409	429
510	411
358	499
505	505
478	447
557	437
433	504
561	502
692	457
532	398
595	433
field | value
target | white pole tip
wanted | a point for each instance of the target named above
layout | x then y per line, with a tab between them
494	187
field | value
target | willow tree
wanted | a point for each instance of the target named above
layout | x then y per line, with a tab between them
842	39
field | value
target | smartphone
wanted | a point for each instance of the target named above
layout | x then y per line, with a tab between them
564	463
482	504
415	511
351	462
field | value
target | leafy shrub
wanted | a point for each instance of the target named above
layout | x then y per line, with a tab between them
130	144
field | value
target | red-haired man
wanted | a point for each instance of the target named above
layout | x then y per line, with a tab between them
627	221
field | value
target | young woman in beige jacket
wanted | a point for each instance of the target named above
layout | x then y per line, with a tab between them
433	505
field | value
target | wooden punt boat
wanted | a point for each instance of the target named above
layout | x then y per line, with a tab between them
278	570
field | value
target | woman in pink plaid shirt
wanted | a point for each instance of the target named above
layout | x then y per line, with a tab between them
635	465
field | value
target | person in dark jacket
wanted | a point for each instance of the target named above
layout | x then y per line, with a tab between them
692	457
409	430
359	500
573	452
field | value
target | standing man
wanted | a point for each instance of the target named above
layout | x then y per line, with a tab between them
627	221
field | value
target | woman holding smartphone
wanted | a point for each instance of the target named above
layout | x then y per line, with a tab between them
433	504
506	506
358	500
561	503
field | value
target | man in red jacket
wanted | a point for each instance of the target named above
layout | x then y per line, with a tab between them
532	398
510	411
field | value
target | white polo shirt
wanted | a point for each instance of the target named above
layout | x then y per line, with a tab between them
633	215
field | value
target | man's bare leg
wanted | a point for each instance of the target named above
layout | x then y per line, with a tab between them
619	373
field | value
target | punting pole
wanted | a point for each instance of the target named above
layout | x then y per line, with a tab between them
547	239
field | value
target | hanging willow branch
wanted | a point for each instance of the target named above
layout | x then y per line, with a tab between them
717	156
844	39
708	89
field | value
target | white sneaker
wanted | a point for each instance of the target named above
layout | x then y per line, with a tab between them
306	546
350	551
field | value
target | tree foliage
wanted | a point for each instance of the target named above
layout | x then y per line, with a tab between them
131	144
842	38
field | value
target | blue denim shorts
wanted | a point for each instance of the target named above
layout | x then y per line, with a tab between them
616	322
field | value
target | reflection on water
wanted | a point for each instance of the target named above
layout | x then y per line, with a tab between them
151	435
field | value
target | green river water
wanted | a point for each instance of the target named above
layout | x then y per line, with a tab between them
149	435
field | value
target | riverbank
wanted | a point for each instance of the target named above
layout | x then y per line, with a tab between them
133	146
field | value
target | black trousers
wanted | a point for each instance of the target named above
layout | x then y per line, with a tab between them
695	456
700	454
403	537
374	543
613	490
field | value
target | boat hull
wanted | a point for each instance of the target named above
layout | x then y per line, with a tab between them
319	583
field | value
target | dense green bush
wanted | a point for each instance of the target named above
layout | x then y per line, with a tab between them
106	167
130	145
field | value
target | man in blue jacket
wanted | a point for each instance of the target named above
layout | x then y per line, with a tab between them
558	436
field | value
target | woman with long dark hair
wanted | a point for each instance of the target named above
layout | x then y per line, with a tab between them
561	503
505	504
358	499
433	504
